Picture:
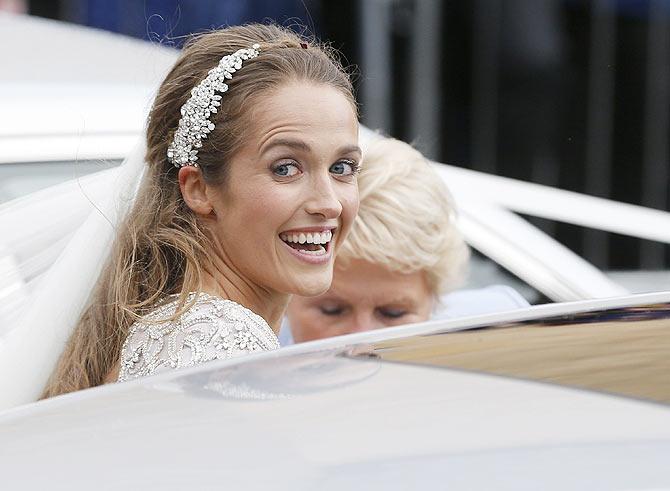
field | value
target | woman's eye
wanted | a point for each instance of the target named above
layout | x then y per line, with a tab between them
344	168
393	313
286	169
331	310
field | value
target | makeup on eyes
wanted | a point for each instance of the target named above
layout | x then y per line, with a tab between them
353	170
286	164
353	165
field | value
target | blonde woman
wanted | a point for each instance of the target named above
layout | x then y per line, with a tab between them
240	166
402	258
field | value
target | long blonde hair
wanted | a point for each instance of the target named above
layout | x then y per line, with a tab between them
160	248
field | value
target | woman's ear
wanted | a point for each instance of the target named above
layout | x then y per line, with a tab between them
194	190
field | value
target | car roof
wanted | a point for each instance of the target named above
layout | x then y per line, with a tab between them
85	97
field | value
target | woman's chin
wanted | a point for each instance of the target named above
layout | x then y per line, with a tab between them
313	286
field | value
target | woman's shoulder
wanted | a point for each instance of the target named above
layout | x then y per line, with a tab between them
210	328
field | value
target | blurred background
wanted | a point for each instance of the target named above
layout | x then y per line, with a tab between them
569	93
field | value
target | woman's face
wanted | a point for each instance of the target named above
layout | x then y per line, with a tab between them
362	297
290	194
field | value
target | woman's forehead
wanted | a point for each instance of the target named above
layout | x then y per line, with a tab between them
373	283
303	105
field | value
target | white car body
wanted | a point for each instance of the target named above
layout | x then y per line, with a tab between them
326	415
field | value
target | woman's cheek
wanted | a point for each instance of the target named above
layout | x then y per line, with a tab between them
273	203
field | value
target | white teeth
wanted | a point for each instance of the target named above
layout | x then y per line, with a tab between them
320	252
308	238
324	237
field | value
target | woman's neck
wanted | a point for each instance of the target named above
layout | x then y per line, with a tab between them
224	282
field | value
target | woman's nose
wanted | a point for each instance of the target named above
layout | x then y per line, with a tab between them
364	321
324	200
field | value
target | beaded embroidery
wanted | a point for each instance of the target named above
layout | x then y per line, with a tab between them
212	329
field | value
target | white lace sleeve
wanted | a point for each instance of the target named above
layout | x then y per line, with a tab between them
212	329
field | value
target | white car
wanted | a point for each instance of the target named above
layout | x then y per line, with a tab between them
565	396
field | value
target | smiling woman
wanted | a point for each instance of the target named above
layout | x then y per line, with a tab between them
293	177
247	194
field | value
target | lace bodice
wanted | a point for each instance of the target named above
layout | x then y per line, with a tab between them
212	329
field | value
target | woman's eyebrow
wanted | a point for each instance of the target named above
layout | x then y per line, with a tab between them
351	149
400	302
287	142
330	299
303	146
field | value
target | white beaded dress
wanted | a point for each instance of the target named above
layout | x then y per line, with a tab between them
212	329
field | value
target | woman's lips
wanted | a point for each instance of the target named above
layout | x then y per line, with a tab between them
312	247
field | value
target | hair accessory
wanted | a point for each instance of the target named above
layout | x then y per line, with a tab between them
194	124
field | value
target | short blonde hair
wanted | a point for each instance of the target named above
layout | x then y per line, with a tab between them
406	220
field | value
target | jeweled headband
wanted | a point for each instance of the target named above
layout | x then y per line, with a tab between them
194	124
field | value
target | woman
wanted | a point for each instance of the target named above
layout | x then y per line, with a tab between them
248	193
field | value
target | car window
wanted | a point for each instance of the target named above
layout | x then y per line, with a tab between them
620	351
484	272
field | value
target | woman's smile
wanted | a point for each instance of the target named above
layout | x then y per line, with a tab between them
311	245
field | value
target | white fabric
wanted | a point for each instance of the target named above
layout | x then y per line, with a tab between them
30	351
213	328
36	229
13	290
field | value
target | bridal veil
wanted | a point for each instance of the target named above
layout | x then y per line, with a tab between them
53	247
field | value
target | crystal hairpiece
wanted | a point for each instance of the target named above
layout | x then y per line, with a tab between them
194	124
